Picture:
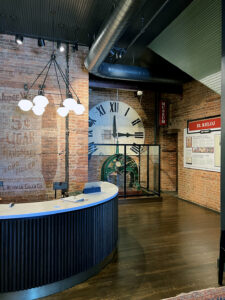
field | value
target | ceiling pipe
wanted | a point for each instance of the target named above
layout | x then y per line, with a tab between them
133	73
107	39
110	33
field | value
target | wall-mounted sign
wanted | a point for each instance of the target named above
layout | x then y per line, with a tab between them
204	125
162	113
60	185
202	151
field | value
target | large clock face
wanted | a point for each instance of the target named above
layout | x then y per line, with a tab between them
111	122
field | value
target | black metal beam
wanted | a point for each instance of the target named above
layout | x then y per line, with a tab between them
222	174
223	122
67	172
96	82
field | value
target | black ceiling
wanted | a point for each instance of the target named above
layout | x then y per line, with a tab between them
81	20
73	19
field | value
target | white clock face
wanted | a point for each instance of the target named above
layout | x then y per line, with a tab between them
112	121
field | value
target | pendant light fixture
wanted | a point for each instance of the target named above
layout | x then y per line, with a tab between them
69	102
62	111
40	102
25	104
38	110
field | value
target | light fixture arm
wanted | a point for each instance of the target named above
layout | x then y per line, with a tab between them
38	77
40	102
58	80
67	83
62	74
46	75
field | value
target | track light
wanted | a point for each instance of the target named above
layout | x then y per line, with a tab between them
19	39
41	42
112	52
60	47
75	47
117	53
121	54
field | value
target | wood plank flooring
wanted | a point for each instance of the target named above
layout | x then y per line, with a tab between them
165	248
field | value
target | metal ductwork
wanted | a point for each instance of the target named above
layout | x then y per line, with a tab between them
111	33
132	73
107	39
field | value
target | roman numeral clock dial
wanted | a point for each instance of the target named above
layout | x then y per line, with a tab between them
112	121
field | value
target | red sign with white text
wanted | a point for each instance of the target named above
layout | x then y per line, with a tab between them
162	113
206	124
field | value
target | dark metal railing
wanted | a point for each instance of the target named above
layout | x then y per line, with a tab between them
150	184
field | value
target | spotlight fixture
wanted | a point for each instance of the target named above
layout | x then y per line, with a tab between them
75	47
117	53
112	52
41	42
121	53
19	39
60	47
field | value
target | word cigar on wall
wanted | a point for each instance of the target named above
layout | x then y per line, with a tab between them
20	151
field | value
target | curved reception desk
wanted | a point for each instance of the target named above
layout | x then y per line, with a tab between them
46	247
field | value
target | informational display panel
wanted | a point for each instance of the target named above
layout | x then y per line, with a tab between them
202	150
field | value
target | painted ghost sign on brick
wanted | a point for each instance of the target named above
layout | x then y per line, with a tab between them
20	151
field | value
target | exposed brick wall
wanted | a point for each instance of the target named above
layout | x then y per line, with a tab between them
198	101
32	149
168	143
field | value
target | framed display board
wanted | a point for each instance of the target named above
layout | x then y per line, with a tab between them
202	150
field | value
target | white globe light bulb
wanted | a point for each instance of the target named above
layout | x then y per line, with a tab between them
38	111
79	109
70	103
40	100
63	111
25	104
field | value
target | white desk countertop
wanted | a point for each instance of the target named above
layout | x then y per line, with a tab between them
35	209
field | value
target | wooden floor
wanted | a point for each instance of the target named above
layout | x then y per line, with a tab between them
165	248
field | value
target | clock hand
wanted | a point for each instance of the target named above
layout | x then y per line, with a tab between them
136	134
114	127
125	134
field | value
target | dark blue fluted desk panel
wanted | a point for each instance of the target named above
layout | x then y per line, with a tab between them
42	252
